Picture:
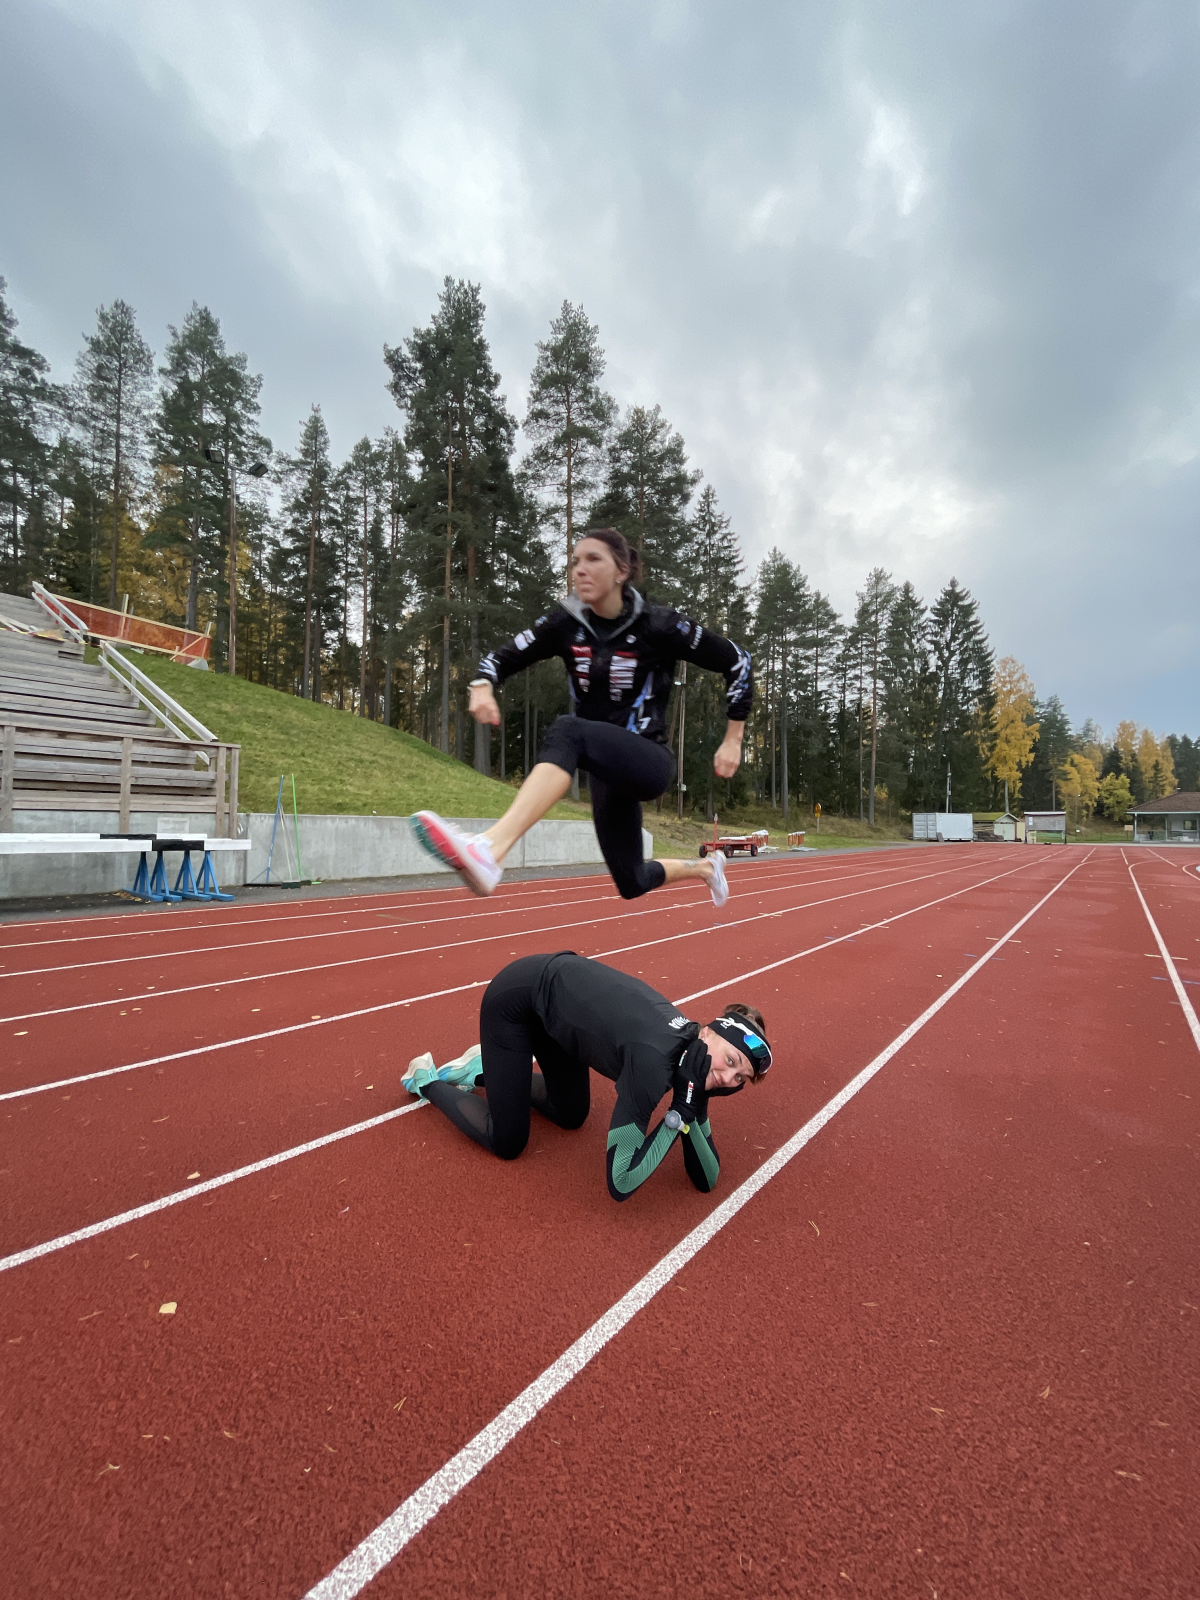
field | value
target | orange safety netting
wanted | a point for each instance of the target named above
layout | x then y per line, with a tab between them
181	644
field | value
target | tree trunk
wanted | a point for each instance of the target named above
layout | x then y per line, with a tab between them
306	681
116	506
783	762
362	660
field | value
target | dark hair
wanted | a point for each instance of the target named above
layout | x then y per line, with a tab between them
753	1016
623	552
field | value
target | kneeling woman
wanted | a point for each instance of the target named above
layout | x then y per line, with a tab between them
577	1016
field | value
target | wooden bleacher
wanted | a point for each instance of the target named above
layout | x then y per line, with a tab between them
73	738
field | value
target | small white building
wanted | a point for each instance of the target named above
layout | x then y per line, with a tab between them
1175	819
1008	827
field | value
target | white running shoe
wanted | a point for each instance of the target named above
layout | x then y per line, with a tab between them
471	858
718	884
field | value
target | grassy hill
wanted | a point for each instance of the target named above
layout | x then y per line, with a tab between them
343	764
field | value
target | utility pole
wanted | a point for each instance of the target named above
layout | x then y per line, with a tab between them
947	788
679	789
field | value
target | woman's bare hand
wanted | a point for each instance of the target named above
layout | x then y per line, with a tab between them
483	705
729	756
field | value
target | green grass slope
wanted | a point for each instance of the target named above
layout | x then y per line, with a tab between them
343	764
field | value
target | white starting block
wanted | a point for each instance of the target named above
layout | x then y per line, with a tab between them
149	883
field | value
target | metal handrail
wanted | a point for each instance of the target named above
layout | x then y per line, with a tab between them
157	701
59	612
144	690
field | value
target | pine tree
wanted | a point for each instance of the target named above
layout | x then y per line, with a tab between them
908	701
307	482
205	423
113	375
647	490
459	436
874	608
29	406
568	419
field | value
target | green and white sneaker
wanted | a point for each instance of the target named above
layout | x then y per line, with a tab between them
466	1072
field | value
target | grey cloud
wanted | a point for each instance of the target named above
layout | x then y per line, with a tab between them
917	284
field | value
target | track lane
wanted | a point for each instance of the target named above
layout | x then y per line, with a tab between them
335	1316
112	1145
954	1350
50	1035
463	909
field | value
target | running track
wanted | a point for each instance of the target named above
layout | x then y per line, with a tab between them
935	1334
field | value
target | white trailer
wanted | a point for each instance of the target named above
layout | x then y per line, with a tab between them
943	826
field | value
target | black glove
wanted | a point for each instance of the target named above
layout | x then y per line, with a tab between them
689	1101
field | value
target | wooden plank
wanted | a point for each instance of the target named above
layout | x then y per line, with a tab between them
218	827
149	735
235	752
126	773
8	767
62	800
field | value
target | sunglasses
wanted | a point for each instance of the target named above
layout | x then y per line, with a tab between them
755	1048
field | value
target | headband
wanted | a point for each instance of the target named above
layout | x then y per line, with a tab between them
738	1032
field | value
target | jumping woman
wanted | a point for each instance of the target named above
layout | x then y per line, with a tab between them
576	1016
620	653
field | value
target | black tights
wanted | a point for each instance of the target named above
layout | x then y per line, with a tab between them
623	770
512	1035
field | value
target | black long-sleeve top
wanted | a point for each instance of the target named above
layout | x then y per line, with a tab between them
622	670
626	1031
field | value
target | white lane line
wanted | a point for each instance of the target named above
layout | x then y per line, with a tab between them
827	944
180	921
246	1038
1186	867
472	915
35	1252
351	1576
1180	992
287	1155
342	1016
135	997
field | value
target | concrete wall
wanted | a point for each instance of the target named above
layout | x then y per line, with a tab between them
331	848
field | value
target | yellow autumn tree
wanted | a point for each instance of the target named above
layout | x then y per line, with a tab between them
1116	797
1014	725
1157	764
1079	785
1126	741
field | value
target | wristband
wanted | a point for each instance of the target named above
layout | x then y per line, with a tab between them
481	683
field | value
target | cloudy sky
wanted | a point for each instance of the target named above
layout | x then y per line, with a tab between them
919	283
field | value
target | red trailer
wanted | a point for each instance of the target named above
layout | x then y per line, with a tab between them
730	844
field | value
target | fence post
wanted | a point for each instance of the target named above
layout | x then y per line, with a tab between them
126	783
220	819
235	751
8	777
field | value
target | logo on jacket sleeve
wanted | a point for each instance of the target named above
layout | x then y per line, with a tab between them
524	640
678	1022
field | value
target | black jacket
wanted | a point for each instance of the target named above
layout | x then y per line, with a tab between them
622	671
626	1031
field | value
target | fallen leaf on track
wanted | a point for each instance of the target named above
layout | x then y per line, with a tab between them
168	1308
1135	1475
938	1410
227	1433
399	1403
814	1227
192	1175
1045	1394
108	1467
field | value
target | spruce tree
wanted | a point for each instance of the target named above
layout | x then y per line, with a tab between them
1049	757
962	665
568	419
874	608
113	377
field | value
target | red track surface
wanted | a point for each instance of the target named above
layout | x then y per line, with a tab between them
950	1348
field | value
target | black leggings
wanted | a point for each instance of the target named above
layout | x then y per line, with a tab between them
623	770
511	1035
